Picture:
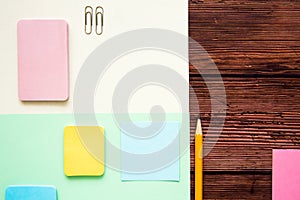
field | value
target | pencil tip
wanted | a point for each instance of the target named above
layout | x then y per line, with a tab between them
198	126
198	116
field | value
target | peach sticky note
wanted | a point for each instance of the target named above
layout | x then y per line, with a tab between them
43	60
84	151
286	174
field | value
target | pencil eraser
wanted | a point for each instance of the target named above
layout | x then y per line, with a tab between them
84	151
43	71
30	193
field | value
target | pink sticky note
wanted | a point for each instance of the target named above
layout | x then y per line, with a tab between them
43	60
286	174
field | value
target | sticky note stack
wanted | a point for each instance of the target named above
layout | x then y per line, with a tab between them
43	72
286	174
30	193
84	151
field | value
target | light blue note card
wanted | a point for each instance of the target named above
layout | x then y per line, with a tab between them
150	151
30	193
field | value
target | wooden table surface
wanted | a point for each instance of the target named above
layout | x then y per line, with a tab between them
256	47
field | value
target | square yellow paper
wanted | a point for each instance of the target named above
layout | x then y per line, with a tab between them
84	151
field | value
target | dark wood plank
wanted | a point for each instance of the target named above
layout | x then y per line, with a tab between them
237	186
248	38
249	95
269	63
245	21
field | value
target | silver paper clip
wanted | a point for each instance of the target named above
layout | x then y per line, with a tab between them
88	20
99	14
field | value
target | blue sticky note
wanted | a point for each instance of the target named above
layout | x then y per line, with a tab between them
30	193
150	151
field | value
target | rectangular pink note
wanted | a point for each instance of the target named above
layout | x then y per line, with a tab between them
286	174
43	72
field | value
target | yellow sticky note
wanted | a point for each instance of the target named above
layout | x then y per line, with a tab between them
84	151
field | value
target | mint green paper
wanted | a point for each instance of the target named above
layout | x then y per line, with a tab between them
31	153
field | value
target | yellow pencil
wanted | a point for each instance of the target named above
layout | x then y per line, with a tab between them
198	162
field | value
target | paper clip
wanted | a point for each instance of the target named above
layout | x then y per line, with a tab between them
88	16
99	14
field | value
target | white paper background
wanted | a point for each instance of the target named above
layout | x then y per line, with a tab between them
120	16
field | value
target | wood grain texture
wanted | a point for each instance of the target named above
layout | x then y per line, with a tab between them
248	37
249	186
256	46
